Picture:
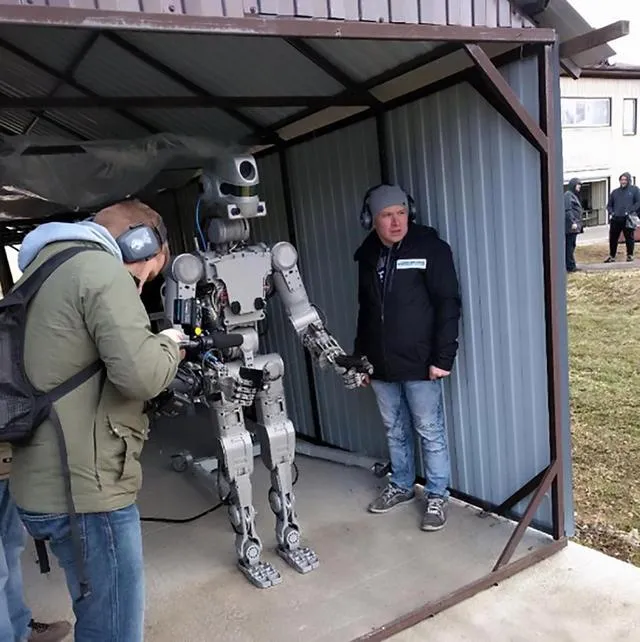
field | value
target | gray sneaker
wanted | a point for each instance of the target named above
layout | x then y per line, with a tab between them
435	515
390	497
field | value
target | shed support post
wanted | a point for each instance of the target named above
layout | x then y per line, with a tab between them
551	255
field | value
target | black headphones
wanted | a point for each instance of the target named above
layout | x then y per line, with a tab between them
366	216
141	242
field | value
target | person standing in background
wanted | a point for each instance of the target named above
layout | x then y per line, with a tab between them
572	222
623	201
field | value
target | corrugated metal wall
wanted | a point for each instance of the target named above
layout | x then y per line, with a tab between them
478	182
281	336
328	177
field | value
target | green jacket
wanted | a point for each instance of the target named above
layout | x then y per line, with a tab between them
88	309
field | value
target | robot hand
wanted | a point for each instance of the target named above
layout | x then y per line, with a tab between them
355	370
243	388
322	345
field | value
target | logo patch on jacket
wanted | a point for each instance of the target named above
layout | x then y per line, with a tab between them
411	264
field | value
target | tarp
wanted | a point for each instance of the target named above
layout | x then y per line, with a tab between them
42	177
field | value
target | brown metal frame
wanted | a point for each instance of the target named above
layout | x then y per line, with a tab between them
283	27
487	79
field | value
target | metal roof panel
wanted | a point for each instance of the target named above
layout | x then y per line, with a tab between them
109	70
363	59
54	46
232	65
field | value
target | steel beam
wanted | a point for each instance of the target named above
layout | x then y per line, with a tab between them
191	86
523	524
497	84
594	38
551	253
266	26
379	79
314	56
32	60
175	102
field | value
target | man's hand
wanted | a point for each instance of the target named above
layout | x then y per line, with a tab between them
176	335
437	373
574	226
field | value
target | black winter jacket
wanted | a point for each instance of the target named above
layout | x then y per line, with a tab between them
623	201
410	321
572	209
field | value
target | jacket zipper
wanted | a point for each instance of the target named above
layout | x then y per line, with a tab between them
384	291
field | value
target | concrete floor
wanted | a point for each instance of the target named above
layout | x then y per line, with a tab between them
373	568
578	595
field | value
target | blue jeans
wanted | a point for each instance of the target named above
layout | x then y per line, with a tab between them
112	552
15	616
409	406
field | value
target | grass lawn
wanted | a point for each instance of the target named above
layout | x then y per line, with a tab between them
597	253
604	338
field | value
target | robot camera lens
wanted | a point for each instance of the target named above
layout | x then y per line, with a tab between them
247	170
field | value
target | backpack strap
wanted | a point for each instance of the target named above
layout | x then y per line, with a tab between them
26	291
34	282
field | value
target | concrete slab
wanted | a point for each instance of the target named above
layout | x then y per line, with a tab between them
373	568
593	235
578	595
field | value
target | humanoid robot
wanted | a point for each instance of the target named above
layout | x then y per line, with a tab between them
222	288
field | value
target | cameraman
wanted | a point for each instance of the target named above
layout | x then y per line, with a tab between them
88	310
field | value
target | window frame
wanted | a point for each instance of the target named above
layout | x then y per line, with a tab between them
634	101
576	99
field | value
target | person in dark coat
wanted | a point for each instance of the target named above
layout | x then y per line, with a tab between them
409	307
572	221
623	201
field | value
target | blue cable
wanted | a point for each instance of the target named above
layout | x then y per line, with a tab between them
198	228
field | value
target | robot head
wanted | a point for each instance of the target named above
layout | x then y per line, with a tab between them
231	188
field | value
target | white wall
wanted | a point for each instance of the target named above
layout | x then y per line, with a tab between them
601	152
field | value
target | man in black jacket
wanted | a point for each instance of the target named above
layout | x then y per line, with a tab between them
572	221
623	201
409	307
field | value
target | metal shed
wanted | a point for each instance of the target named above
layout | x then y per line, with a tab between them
458	100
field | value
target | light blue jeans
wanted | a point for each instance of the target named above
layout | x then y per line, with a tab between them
112	552
409	406
15	616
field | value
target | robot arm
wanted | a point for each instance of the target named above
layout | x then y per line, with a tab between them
307	322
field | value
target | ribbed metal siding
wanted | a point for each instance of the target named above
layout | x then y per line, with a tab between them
454	12
328	177
281	336
477	181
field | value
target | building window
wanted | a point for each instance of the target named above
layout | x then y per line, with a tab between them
586	112
630	116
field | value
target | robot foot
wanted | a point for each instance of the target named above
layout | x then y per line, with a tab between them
262	574
301	559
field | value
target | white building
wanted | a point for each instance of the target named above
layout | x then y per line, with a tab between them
600	132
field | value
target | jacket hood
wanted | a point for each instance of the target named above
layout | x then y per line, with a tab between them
628	178
573	183
56	232
371	246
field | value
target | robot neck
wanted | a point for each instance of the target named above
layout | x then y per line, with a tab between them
223	232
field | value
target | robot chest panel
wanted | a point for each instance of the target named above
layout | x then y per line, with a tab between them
244	275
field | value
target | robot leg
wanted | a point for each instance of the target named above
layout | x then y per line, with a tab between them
277	444
236	459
